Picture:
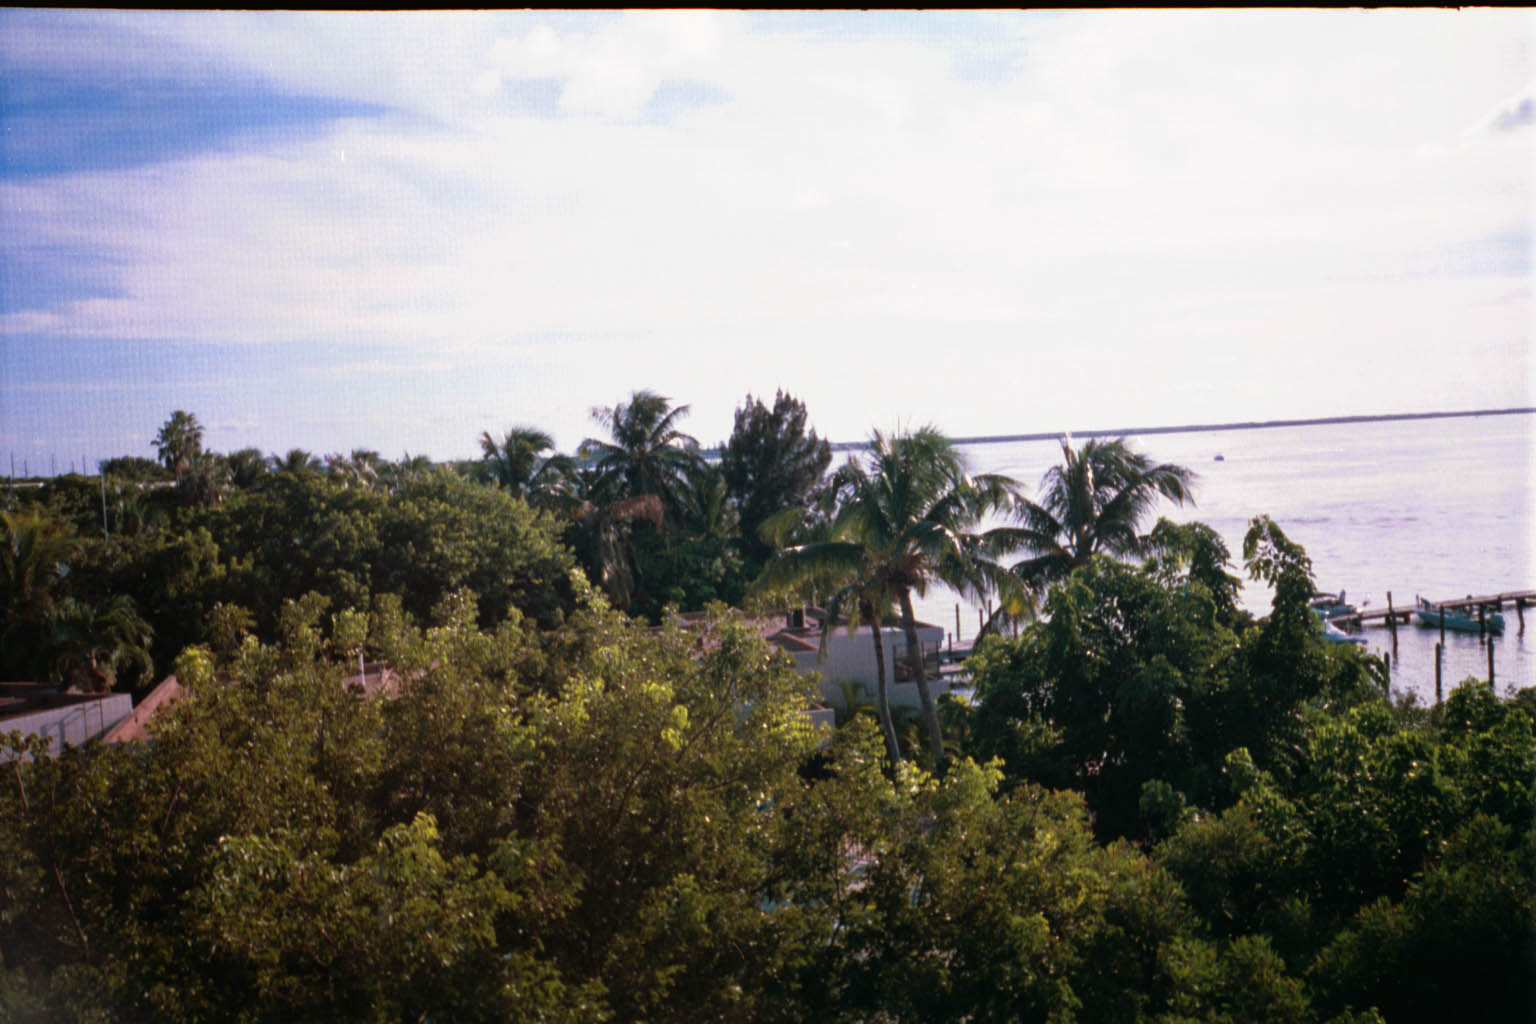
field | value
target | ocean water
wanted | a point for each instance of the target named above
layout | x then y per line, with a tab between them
1442	508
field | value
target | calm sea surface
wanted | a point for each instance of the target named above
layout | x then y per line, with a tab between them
1440	508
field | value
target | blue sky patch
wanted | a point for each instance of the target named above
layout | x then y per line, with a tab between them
48	277
533	97
678	95
58	124
976	54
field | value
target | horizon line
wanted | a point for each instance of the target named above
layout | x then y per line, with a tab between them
1196	428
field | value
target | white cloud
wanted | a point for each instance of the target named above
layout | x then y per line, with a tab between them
615	70
1226	187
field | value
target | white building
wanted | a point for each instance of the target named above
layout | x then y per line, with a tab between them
61	718
849	657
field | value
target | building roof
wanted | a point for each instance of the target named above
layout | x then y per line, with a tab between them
17	699
796	630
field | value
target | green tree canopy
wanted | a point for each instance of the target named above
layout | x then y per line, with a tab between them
134	467
35	556
772	462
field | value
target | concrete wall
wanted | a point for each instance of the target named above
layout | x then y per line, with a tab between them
73	724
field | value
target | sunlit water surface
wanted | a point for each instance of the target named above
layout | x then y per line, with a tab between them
1442	508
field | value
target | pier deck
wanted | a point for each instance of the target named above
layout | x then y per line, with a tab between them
1518	599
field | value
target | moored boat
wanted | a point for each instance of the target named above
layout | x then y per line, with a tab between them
1458	620
1331	605
1333	634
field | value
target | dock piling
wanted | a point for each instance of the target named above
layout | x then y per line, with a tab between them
1392	621
1439	689
1490	664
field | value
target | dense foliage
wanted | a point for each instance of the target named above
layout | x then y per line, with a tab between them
1157	807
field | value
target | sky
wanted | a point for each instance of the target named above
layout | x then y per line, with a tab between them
397	230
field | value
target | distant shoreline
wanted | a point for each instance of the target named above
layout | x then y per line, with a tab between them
1200	428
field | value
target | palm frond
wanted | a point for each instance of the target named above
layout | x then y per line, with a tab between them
823	560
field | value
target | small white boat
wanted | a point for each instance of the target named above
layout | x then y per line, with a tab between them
1333	634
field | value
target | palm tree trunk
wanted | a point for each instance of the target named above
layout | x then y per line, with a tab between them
883	693
915	653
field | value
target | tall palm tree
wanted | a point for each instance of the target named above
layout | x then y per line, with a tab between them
180	442
910	517
518	465
1092	503
646	453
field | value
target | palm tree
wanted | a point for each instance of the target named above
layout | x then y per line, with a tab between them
908	518
90	645
395	475
203	480
132	510
518	465
647	453
1093	503
859	595
34	556
709	513
602	542
179	442
360	469
246	467
297	461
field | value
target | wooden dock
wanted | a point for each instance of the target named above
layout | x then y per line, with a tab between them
1516	599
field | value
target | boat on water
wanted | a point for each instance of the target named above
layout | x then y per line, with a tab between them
1458	620
1331	606
1334	635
